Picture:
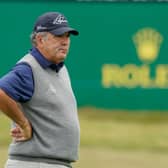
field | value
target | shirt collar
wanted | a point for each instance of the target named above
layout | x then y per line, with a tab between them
43	61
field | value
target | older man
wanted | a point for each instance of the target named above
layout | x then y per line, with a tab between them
37	96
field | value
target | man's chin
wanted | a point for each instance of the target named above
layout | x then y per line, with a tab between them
61	60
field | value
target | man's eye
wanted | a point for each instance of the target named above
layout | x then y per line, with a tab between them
63	35
60	35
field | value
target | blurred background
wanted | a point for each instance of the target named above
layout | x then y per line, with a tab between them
119	73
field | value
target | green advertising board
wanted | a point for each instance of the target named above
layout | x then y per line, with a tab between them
120	59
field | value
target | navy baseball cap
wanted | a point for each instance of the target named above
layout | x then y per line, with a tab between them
53	22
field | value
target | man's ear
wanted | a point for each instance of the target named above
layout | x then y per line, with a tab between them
39	39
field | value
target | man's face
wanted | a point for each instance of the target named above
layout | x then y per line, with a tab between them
54	48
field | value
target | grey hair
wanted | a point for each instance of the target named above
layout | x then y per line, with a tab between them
33	37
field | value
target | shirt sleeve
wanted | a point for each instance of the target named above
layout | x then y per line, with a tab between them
18	83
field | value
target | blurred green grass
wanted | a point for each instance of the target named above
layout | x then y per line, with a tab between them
114	137
124	129
4	130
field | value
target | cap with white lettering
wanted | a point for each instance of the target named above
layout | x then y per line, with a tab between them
53	22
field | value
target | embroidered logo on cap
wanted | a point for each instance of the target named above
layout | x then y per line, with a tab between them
59	20
41	28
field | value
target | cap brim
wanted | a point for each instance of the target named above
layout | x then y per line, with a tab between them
63	30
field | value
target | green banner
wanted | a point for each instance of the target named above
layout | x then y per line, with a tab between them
120	59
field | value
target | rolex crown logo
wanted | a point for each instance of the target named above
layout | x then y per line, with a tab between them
147	42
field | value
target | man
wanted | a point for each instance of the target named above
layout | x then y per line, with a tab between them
37	95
